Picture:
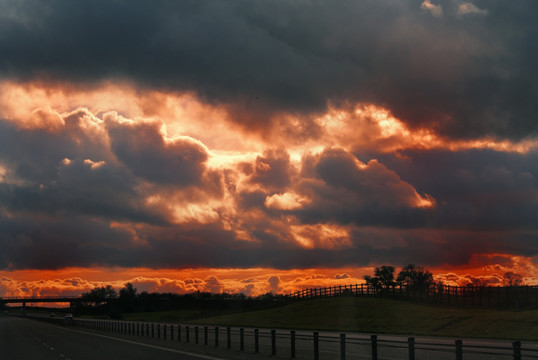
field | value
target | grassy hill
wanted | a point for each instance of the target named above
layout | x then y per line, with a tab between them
376	315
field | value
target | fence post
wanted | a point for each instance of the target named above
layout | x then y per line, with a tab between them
374	346
242	339
411	345
172	332
342	346
256	341
316	345
187	333
196	335
517	350
459	350
216	336
228	337
164	332
179	333
205	335
273	342
152	330
292	340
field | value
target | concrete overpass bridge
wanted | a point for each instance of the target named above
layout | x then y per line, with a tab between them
42	299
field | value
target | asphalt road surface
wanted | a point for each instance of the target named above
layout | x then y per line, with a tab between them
24	339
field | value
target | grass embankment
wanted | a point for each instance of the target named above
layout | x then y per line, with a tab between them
374	315
162	316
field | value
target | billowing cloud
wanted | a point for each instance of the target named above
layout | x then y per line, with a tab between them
467	8
435	10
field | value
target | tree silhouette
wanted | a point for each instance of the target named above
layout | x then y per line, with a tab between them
512	279
128	298
383	278
415	277
100	294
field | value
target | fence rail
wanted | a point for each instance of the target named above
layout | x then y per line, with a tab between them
444	294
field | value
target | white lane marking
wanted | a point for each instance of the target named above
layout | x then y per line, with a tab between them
200	356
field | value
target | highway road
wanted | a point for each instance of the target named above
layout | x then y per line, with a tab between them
24	339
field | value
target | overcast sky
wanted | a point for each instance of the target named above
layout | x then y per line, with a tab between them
269	134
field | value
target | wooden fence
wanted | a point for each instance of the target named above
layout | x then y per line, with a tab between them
480	296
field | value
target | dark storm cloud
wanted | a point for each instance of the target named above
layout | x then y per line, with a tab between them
73	170
475	189
467	72
34	155
142	148
347	193
273	170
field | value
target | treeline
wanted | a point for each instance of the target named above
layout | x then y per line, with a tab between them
412	282
413	277
106	301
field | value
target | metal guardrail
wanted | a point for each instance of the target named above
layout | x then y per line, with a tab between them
302	345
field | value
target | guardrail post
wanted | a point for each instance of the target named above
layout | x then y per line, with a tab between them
292	340
242	339
228	337
374	346
164	332
411	345
316	345
152	330
172	332
137	329
256	341
142	329
216	336
205	335
273	342
342	346
179	333
158	331
187	333
459	350
517	350
196	335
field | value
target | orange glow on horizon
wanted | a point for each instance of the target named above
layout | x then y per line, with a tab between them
484	269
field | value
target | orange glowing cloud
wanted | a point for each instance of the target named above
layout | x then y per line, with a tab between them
43	105
252	282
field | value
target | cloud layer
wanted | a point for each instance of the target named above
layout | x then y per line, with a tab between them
99	188
466	69
278	135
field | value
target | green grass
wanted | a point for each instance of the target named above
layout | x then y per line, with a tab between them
375	315
162	316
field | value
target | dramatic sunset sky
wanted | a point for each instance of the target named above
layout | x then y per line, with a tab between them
255	146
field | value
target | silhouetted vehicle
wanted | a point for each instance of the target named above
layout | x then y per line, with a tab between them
68	318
